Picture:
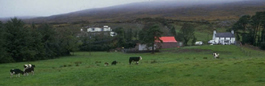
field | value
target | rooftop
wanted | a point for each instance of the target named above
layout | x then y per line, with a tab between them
168	39
226	34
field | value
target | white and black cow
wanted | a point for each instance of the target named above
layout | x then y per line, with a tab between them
16	72
106	63
216	55
136	59
29	68
114	63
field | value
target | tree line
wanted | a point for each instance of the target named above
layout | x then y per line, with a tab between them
23	42
251	29
20	42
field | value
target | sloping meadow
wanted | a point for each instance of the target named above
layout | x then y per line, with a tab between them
186	66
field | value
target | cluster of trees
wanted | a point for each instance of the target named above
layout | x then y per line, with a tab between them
186	33
20	42
150	33
251	29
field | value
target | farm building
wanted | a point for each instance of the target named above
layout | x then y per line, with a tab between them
106	30
226	38
168	42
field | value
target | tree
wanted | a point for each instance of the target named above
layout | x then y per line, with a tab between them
242	23
194	40
4	56
120	37
150	34
67	40
86	42
186	32
50	44
172	31
19	41
251	29
36	43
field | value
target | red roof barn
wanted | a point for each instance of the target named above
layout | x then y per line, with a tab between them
168	42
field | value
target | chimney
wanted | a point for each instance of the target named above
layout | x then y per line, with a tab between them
214	32
232	31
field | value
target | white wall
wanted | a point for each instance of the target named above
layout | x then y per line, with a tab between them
106	28
233	40
144	47
216	40
96	29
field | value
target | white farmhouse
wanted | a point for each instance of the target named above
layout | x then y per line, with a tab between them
226	38
97	30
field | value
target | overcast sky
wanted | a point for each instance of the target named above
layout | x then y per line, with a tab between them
12	8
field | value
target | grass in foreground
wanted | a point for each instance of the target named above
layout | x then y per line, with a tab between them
188	66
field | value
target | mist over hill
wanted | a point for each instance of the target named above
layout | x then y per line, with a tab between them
190	11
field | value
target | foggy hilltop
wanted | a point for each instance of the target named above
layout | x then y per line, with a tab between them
199	10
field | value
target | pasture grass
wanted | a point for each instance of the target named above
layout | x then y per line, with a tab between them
186	66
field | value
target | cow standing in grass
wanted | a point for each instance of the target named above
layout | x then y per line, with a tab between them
106	63
114	63
216	55
16	72
29	68
136	59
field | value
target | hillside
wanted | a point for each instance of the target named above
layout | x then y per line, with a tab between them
187	66
166	9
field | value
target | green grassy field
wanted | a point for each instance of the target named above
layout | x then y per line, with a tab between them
187	66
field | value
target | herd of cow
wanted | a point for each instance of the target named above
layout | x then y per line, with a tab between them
131	59
29	68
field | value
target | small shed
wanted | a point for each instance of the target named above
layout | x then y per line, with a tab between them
168	42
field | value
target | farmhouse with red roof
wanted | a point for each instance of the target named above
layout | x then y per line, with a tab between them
168	42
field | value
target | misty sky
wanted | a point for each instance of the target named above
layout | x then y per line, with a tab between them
12	8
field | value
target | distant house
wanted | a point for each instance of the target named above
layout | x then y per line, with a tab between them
168	42
106	30
226	38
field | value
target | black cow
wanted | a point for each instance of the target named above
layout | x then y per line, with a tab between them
16	72
29	68
114	63
136	59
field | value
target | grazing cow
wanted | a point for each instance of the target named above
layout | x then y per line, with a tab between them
136	59
114	63
106	63
216	55
29	68
16	72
